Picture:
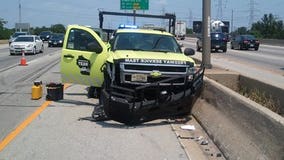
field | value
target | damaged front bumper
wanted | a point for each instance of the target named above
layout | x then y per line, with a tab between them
130	106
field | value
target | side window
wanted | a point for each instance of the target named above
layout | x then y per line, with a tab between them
81	40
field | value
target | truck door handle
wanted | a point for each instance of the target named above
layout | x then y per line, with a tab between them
68	56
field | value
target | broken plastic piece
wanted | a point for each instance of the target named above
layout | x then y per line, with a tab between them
199	138
204	142
219	155
188	127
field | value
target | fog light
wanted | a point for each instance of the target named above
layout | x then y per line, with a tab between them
190	77
164	93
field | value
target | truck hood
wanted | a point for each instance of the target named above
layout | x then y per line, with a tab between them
146	55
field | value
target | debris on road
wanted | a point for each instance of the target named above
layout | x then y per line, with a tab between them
188	127
204	142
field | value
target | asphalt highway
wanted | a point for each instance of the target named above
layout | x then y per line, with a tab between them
40	129
266	64
37	129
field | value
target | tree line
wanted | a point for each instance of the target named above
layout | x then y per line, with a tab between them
5	33
268	27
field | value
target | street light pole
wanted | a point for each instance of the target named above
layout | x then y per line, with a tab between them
134	17
20	14
206	42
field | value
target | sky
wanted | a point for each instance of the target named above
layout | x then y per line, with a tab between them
85	12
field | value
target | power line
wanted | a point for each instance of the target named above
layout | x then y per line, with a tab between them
252	12
220	10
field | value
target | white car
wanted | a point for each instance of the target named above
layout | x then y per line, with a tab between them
15	35
27	43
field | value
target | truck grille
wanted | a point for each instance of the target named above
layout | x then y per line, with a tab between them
166	71
159	68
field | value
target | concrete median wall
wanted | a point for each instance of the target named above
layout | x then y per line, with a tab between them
240	127
270	91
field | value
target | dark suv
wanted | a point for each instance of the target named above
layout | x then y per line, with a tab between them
45	35
218	42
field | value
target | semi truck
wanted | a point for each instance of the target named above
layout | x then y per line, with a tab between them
180	29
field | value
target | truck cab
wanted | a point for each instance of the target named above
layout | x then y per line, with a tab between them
141	74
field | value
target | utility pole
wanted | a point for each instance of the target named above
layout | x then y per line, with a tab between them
163	23
220	10
134	17
232	21
251	15
20	14
206	42
190	19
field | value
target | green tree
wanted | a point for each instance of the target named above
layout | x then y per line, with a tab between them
58	28
240	31
4	32
269	27
2	22
189	31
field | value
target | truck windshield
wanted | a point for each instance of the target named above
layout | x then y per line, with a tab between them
145	42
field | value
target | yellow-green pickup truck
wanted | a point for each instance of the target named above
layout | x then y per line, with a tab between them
140	75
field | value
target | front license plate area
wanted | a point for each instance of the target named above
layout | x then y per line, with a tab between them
139	78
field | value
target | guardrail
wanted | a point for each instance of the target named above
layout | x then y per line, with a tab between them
240	127
274	42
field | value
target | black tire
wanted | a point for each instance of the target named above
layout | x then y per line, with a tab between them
198	48
256	48
225	50
42	49
232	47
92	92
34	51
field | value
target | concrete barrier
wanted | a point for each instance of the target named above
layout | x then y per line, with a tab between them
240	127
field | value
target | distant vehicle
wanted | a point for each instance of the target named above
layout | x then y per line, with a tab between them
45	35
27	43
244	42
218	42
15	35
56	40
180	30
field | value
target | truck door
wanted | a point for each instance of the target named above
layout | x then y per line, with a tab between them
83	56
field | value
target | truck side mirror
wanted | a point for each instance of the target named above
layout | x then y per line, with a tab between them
95	47
189	52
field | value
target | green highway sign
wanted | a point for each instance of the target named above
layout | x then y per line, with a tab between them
134	4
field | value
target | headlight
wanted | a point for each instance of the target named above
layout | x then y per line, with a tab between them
191	72
190	77
49	41
30	45
60	41
11	46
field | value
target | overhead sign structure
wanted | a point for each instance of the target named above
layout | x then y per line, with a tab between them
134	4
22	26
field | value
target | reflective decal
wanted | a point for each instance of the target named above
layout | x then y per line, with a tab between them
84	65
